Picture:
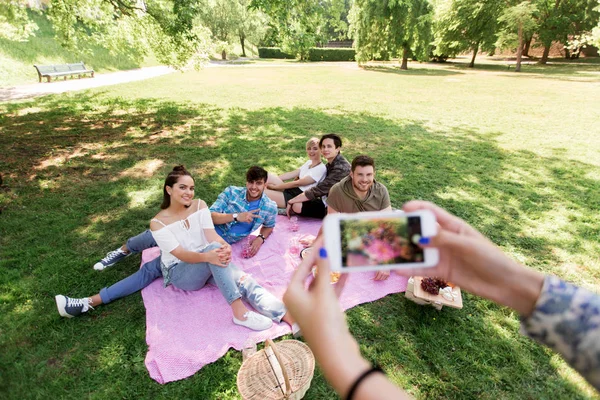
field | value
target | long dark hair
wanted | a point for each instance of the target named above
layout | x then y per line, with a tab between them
172	178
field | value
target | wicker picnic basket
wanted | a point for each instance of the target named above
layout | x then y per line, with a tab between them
279	371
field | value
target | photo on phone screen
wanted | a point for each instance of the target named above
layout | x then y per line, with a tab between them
380	241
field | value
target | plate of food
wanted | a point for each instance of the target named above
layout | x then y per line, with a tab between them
438	291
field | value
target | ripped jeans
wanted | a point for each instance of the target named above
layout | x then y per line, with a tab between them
231	281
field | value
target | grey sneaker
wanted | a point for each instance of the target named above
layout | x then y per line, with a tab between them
281	211
69	308
254	321
112	257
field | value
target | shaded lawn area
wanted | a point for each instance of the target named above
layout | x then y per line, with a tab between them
82	172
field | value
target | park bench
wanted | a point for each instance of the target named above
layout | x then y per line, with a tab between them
50	71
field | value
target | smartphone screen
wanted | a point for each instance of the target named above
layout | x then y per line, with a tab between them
380	241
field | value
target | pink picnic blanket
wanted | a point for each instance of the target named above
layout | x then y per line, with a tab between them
187	330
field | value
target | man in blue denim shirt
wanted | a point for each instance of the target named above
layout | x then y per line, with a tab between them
237	212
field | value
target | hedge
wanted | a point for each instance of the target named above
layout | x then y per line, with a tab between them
331	54
273	52
314	54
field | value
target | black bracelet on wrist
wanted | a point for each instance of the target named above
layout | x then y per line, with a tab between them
361	378
260	235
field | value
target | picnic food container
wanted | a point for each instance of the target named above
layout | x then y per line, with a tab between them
334	277
279	371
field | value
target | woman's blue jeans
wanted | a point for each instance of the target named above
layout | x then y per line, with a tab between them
231	281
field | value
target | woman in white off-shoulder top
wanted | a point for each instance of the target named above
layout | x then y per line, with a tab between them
192	255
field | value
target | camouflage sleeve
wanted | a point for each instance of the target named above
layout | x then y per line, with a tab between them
567	319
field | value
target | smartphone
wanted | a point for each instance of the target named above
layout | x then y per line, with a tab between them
373	241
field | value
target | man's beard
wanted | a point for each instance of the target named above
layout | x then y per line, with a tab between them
369	185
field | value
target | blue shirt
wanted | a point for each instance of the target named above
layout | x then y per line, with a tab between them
232	200
245	228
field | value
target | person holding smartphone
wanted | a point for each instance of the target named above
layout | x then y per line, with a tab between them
560	315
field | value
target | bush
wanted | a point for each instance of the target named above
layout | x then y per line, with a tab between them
273	52
331	54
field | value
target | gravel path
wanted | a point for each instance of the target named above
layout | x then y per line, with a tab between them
59	86
114	78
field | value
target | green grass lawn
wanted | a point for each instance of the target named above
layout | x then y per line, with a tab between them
516	155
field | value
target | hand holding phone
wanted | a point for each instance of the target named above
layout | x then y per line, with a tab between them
379	241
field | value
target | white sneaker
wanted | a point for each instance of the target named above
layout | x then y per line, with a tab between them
296	330
254	321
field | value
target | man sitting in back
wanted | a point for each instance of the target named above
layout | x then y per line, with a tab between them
360	192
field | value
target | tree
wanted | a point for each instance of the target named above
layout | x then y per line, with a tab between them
461	25
252	25
221	17
300	24
516	21
391	27
596	30
14	21
336	19
163	26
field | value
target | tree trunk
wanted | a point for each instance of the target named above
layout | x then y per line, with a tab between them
475	50
545	54
224	55
527	46
519	49
404	59
242	40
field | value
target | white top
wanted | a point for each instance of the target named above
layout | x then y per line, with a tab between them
317	173
187	233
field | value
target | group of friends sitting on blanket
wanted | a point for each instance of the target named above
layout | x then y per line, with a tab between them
195	240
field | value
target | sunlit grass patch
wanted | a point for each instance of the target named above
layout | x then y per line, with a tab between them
83	172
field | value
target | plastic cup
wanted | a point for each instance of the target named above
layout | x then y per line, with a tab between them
294	246
246	247
249	349
294	224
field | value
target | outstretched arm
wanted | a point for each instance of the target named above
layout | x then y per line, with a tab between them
307	180
323	325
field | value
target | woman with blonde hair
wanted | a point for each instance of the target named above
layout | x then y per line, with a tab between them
299	180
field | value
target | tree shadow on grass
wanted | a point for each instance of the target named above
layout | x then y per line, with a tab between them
84	172
559	71
411	71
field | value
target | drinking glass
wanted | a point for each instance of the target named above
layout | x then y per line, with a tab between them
294	224
294	246
249	349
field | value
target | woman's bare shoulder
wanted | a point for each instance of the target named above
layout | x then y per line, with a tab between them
159	221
